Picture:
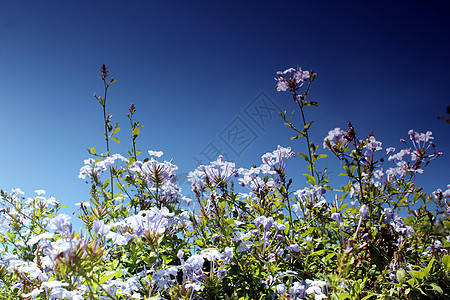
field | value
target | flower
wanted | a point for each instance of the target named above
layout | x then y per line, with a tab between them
336	217
277	159
60	222
103	72
295	80
155	153
333	138
373	144
363	211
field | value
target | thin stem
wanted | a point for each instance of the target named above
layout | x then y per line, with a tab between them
107	137
306	131
133	139
361	191
104	117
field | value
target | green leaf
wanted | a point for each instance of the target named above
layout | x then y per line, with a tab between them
114	264
119	186
106	183
106	277
230	222
344	296
136	131
417	274
307	126
447	224
115	140
311	179
116	130
92	150
436	288
446	261
346	169
297	136
411	282
329	256
304	156
428	268
401	275
312	103
118	273
319	252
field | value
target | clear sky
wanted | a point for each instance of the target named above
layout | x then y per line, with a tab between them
197	69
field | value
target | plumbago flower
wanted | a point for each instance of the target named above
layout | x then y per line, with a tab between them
272	163
218	174
333	138
276	161
291	79
94	168
312	197
193	276
422	152
158	178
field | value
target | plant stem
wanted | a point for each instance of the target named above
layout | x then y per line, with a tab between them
107	137
306	132
133	140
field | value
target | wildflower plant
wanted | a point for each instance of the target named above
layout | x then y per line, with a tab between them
248	233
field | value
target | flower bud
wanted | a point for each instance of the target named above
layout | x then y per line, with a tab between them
363	211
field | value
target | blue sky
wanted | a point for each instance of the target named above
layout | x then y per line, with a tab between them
194	69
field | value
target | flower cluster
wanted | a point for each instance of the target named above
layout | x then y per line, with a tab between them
291	79
411	159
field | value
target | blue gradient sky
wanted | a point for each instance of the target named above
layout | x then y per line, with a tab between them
192	67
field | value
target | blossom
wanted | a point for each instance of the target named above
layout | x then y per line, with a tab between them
336	217
267	223
390	150
295	80
447	192
277	159
35	239
293	247
373	144
100	227
119	239
315	287
219	171
94	168
40	192
333	138
245	244
83	203
60	222
314	194
297	290
155	153
363	211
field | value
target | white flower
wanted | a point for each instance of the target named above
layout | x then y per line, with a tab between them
155	153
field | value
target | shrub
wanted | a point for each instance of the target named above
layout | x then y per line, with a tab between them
247	234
